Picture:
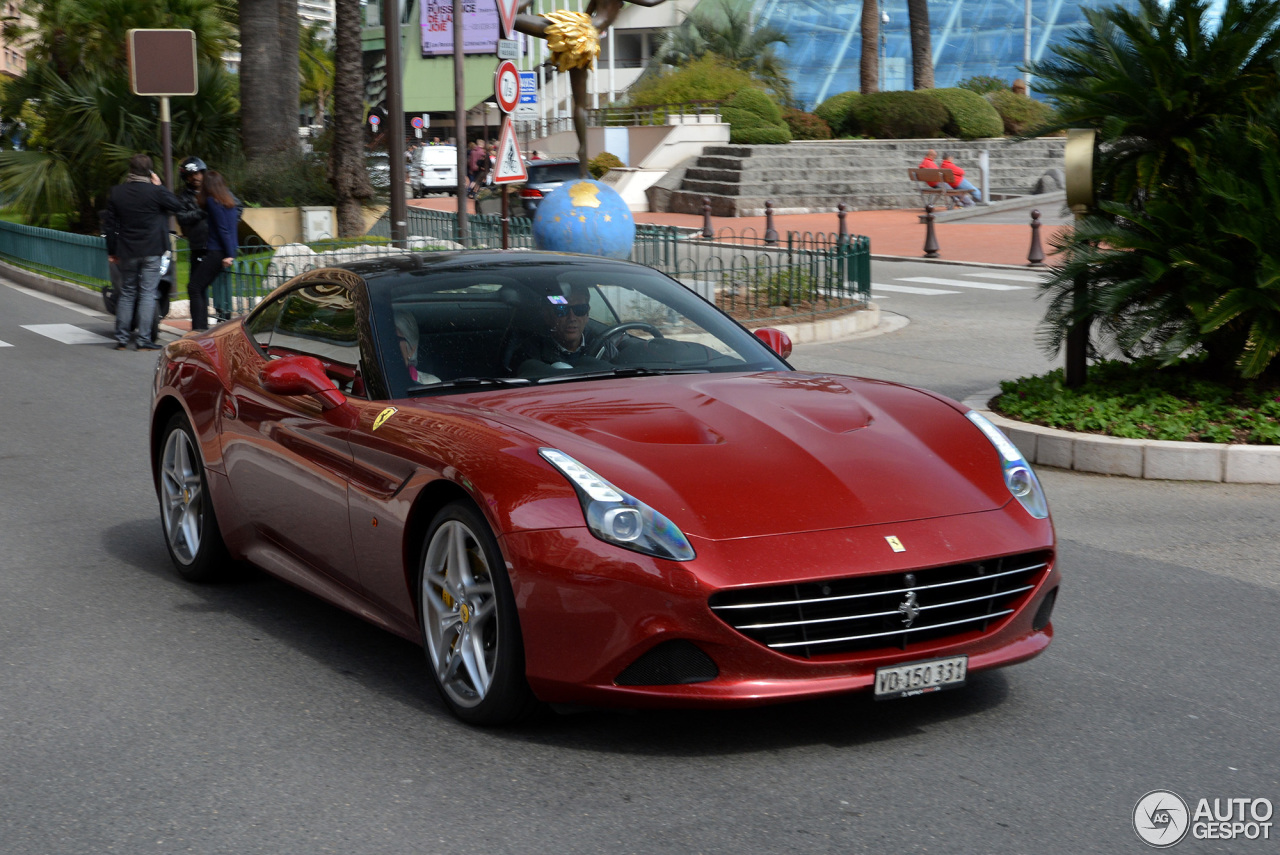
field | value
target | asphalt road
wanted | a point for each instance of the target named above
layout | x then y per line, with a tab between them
142	714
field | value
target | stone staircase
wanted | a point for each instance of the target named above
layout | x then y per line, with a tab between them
809	177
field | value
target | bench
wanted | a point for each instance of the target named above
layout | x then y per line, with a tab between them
949	196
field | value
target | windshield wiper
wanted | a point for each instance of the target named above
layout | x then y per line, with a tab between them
469	382
634	371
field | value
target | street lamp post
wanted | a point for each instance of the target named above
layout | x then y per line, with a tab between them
884	52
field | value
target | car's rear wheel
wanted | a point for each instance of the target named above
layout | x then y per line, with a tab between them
468	619
190	527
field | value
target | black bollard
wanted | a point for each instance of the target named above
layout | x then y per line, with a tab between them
770	233
841	211
707	231
930	237
1036	256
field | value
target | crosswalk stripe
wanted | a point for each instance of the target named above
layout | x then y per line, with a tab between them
985	286
1012	277
909	289
66	333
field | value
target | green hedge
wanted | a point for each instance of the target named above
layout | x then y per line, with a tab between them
754	119
835	111
1018	113
898	115
759	103
970	116
772	135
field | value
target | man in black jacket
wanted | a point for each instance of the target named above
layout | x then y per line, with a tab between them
195	228
137	236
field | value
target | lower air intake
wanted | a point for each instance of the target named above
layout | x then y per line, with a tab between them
671	663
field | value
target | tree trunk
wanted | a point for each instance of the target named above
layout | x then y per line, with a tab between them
259	77
869	67
921	44
347	169
290	74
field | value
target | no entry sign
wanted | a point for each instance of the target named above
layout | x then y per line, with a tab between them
506	86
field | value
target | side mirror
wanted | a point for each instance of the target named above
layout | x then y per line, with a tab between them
778	341
301	375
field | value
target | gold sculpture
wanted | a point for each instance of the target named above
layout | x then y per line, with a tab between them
574	41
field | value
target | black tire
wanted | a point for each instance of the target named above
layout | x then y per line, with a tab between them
476	655
191	532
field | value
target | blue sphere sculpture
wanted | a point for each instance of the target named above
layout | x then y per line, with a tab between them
584	216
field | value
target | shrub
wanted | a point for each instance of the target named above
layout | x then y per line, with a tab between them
754	119
738	118
983	84
602	163
281	180
758	102
898	115
706	79
835	111
971	116
806	126
1020	114
772	135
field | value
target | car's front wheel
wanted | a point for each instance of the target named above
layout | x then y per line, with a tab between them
190	527
468	619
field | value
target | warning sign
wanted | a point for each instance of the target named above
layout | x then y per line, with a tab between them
510	167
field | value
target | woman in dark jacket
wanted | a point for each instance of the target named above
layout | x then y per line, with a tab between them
224	217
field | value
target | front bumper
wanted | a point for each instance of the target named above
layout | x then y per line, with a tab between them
589	610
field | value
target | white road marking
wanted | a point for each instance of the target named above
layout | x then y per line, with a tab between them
1012	277
985	286
909	289
5	344
66	333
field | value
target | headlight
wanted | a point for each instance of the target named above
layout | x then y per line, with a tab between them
1019	478
617	518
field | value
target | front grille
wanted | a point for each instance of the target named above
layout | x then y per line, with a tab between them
883	611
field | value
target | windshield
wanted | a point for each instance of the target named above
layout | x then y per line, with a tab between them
550	321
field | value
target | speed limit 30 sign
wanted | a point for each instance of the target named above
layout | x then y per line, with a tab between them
506	86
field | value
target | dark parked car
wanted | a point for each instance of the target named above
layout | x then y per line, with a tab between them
545	176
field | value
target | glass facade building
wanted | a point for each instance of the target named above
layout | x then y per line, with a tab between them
971	38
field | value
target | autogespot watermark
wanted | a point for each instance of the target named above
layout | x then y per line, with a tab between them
1162	818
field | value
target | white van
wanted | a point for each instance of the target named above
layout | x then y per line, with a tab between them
434	169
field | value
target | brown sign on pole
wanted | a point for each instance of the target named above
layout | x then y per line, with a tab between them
162	62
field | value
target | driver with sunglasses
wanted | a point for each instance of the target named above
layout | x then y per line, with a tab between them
566	344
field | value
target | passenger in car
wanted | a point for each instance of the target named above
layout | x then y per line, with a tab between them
407	333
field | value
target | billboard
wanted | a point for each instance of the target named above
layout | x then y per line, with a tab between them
480	31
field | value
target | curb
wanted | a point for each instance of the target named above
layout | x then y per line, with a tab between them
1149	459
63	290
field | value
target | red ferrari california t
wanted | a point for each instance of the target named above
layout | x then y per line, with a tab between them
574	481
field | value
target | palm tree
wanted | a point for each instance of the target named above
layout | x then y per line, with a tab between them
83	122
1179	256
869	66
316	64
1150	79
921	44
347	170
726	28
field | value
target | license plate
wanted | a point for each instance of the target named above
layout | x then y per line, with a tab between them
919	678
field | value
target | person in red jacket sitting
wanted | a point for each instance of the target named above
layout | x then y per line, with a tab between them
930	162
959	182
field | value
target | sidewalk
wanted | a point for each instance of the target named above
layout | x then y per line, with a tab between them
894	233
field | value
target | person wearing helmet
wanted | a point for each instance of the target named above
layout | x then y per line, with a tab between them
195	228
